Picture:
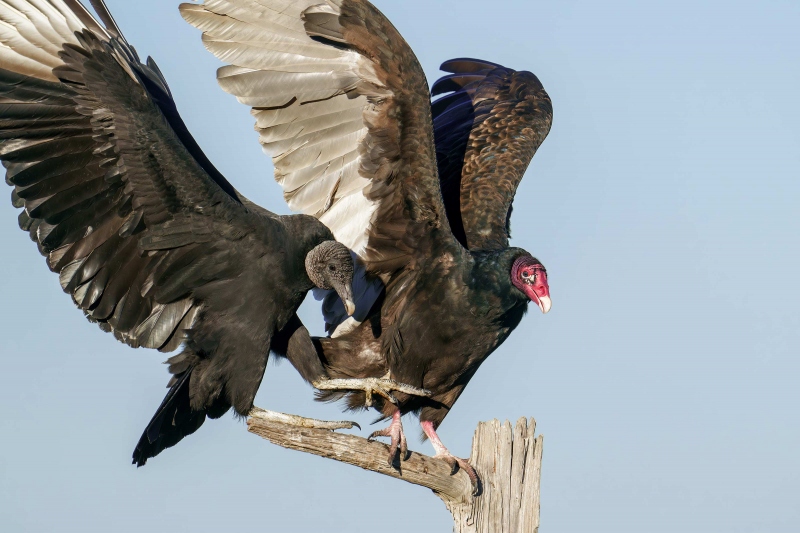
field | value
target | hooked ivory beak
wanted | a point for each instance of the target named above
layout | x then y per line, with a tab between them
539	292
345	292
544	304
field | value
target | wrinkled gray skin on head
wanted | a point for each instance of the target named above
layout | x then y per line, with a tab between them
330	266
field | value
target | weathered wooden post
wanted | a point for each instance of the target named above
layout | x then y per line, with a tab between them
508	460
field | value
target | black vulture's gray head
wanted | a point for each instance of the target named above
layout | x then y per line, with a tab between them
330	266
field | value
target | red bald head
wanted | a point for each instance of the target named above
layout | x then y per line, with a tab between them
529	276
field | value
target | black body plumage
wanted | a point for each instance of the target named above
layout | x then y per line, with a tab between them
149	239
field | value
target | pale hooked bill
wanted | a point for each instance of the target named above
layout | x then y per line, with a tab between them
545	304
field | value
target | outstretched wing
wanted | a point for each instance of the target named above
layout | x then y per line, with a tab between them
342	106
487	130
118	196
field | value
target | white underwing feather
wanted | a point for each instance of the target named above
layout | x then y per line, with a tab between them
55	18
315	154
277	21
271	117
309	99
293	180
10	60
33	32
258	88
12	38
306	139
310	125
39	21
262	56
24	24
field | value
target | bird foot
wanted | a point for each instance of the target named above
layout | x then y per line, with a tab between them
452	461
294	420
457	462
397	436
370	386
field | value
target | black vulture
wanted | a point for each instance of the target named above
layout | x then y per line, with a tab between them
342	105
149	239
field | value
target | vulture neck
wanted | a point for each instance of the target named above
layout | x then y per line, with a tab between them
492	286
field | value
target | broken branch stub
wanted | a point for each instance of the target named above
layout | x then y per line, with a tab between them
508	460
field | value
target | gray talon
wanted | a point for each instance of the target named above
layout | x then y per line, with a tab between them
371	386
452	463
301	421
456	464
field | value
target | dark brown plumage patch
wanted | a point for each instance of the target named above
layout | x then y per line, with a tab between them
487	131
399	157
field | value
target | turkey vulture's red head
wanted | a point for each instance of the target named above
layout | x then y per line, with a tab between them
529	276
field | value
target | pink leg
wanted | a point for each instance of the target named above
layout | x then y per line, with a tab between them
394	432
445	455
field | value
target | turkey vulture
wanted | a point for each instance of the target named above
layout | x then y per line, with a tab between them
149	239
342	105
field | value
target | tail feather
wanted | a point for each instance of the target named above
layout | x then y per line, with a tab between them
173	420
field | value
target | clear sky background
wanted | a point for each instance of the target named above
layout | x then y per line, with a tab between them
665	379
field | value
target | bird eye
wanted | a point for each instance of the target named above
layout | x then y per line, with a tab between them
526	274
332	268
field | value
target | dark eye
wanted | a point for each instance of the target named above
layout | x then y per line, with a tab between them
332	268
526	274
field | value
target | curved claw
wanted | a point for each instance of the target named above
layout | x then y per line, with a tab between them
398	439
404	453
451	462
456	463
378	433
381	392
392	447
371	386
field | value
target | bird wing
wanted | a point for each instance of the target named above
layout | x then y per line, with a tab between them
487	130
342	106
118	196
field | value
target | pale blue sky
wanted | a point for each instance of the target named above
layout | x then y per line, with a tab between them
665	380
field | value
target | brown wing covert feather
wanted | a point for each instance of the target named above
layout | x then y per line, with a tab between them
487	131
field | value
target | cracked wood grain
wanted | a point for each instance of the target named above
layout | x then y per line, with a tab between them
508	460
